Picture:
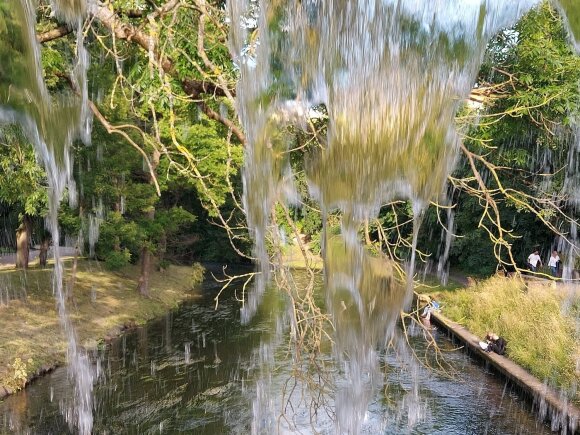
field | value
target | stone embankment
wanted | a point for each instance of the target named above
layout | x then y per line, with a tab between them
549	405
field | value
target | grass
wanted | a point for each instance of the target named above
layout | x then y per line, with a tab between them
103	302
432	283
293	258
539	321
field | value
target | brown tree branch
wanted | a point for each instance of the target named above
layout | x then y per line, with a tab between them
193	88
111	129
127	32
227	122
53	34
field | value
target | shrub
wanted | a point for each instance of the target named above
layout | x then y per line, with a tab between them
115	260
197	274
20	374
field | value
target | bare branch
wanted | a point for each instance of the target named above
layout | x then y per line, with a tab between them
227	122
112	129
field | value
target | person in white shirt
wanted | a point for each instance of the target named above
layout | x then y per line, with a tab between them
554	263
534	260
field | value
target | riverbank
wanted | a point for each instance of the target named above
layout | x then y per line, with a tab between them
538	320
547	403
103	304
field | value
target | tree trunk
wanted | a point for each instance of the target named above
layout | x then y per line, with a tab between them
22	243
143	284
43	256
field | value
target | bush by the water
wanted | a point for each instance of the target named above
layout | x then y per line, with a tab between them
197	274
538	321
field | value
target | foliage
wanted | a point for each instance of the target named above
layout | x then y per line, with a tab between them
523	134
196	155
116	260
197	274
22	180
19	374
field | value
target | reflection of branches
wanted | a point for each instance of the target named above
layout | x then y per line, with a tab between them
432	351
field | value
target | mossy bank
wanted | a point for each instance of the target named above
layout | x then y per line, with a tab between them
102	305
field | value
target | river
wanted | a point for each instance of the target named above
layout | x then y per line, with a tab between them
198	370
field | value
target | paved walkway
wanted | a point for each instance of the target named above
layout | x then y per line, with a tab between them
8	261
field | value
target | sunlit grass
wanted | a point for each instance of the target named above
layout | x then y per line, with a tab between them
538	321
293	258
102	302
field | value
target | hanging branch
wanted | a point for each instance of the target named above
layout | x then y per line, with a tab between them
111	129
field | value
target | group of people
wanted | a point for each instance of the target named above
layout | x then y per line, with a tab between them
534	262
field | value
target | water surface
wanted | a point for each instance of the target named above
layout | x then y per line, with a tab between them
199	371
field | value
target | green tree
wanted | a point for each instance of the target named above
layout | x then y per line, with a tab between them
520	145
23	188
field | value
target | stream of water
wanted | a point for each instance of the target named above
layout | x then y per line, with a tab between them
199	370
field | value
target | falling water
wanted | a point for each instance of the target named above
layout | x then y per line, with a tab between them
391	75
571	14
447	238
51	123
569	243
96	218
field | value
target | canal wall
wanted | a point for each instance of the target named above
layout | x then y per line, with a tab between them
546	402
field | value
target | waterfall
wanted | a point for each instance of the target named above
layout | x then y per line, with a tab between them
568	243
51	123
571	13
390	75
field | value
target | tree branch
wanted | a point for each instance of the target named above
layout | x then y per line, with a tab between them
111	129
227	122
53	34
108	18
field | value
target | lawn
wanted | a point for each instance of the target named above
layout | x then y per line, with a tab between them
102	303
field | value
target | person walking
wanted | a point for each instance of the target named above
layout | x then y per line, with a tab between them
554	263
534	260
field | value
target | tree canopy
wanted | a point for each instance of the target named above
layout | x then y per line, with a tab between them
162	175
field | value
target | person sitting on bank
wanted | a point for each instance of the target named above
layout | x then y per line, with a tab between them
429	308
534	260
554	263
495	343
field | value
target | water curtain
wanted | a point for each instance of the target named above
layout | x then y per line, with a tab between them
390	76
51	123
571	12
